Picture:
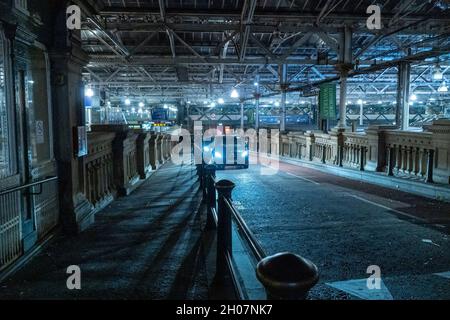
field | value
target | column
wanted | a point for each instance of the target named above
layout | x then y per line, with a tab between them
257	96
345	65
343	101
242	114
284	85
403	87
67	60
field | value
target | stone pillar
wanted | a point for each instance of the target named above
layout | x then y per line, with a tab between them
441	145
143	154
67	60
403	87
309	145
153	152
378	154
159	151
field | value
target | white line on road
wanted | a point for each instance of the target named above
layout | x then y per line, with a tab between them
387	208
303	178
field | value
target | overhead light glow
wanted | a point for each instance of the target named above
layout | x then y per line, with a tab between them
443	87
234	94
212	105
437	74
89	92
205	102
277	104
127	102
220	101
141	104
165	106
256	84
360	101
413	97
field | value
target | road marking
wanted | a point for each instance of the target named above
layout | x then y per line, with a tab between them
359	289
387	208
302	178
430	242
443	274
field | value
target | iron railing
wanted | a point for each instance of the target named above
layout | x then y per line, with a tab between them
221	213
29	185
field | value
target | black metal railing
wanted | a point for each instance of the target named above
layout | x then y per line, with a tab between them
221	213
29	185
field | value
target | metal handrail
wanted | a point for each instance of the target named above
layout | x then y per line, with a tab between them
248	235
28	185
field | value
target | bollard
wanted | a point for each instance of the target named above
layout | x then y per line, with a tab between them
287	276
224	189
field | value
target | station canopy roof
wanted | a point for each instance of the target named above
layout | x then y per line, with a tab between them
192	50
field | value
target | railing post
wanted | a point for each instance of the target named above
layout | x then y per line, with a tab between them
224	189
430	164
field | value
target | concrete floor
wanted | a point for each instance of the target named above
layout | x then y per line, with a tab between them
144	246
345	226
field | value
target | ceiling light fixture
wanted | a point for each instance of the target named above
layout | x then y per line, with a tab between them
443	87
437	74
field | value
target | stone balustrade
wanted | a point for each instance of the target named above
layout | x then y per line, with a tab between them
120	159
411	154
153	149
99	178
144	165
408	154
354	151
325	148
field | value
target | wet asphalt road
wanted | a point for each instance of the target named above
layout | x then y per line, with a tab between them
345	226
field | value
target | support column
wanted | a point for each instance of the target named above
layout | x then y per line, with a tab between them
242	114
67	61
257	96
284	85
343	101
403	87
345	65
